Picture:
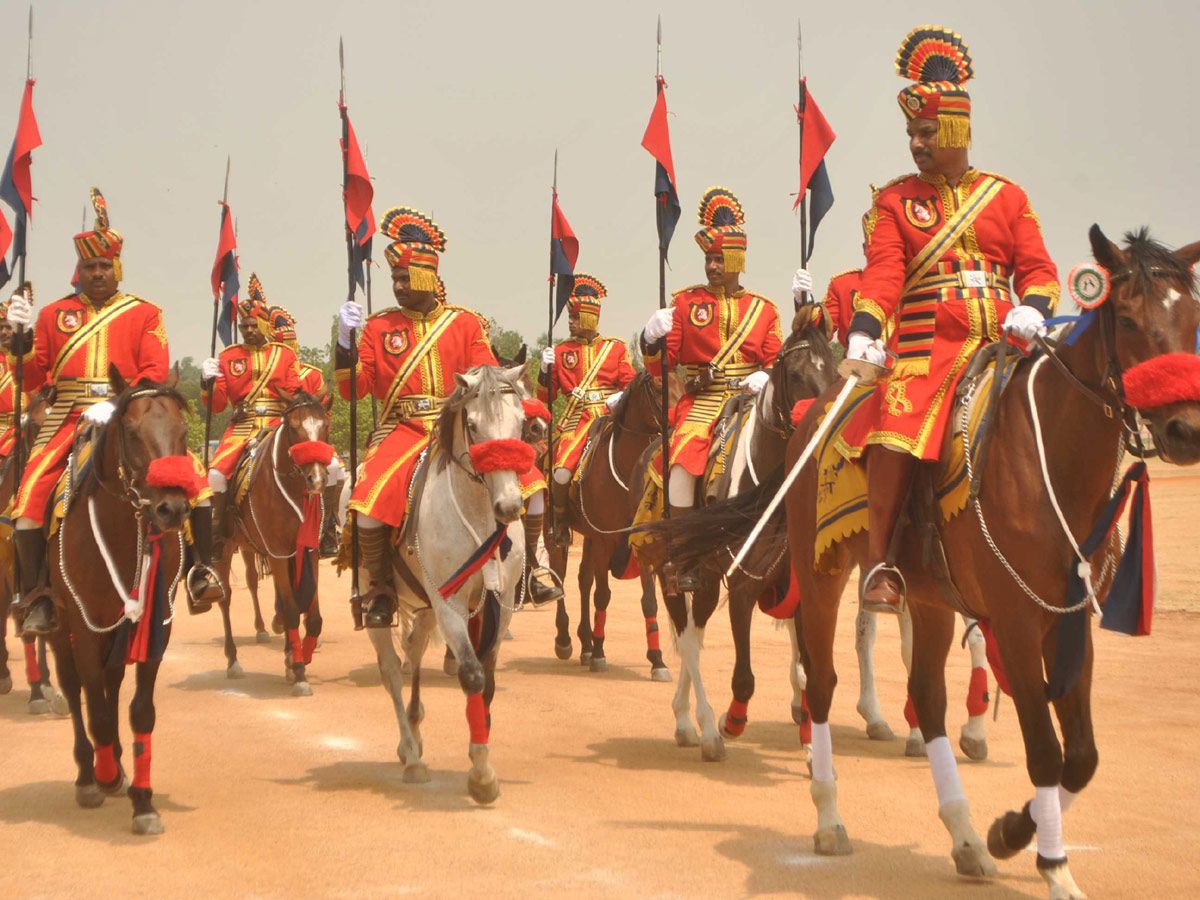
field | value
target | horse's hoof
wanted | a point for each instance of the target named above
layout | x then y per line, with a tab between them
798	715
261	637
89	796
880	731
662	673
598	664
974	748
971	861
418	773
585	658
726	733
406	669
1062	885
686	737
450	665
39	707
148	823
277	624
832	842
301	689
508	635
234	670
563	651
714	750
58	703
6	684
915	746
288	674
483	792
1010	825
119	788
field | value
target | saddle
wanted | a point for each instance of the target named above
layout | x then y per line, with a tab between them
247	466
727	430
79	466
597	429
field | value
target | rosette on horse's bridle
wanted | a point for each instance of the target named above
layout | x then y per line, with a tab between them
175	472
307	452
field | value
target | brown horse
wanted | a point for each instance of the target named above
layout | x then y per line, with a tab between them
601	512
1078	414
122	536
282	504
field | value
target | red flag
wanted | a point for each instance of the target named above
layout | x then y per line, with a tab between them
359	190
28	137
5	239
818	138
226	245
560	230
657	138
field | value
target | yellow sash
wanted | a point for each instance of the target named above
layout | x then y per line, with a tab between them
414	359
739	335
90	330
264	378
585	385
958	223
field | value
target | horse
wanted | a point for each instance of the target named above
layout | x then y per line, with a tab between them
1046	479
601	512
43	697
115	562
470	498
274	520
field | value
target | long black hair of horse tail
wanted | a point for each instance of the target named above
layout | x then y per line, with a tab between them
702	536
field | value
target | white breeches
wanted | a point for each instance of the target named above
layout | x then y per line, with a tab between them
681	487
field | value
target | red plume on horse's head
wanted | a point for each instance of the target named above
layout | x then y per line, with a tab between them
535	409
505	454
1170	378
175	472
307	452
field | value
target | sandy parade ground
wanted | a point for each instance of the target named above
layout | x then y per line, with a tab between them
268	795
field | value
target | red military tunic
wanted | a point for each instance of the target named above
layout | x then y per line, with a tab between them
703	323
253	380
839	302
312	380
934	324
7	408
574	361
75	340
408	361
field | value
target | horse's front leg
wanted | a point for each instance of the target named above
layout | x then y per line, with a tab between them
102	720
865	625
690	644
584	631
658	668
742	598
562	621
933	633
914	744
391	671
141	718
87	794
233	668
972	740
250	565
681	703
798	676
423	625
598	567
293	648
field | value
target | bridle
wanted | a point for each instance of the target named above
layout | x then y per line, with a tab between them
126	476
305	401
463	459
780	421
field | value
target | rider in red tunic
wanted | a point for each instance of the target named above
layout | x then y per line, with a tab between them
724	336
950	251
7	388
591	371
407	357
253	377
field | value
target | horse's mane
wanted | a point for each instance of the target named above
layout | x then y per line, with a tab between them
617	416
1149	259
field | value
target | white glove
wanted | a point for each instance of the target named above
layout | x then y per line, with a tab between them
210	369
614	399
802	283
20	311
547	357
350	318
1022	322
859	345
659	326
99	413
755	381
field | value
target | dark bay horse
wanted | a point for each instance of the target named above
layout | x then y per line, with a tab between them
118	556
602	512
1059	437
280	509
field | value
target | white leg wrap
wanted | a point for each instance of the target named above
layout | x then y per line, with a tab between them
822	744
1065	799
976	644
1047	815
217	481
562	476
681	487
537	504
945	771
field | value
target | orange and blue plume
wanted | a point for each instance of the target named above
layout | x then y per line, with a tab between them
406	225
931	54
255	289
720	207
101	209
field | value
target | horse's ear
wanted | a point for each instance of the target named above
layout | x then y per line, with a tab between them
1106	252
522	354
326	399
1189	255
173	377
515	374
461	380
287	397
115	380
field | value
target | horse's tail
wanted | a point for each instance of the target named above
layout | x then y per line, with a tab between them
702	536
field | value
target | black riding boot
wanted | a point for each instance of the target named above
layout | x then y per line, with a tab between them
39	615
329	534
889	476
538	580
379	605
203	586
560	495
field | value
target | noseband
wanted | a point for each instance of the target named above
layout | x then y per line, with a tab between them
128	491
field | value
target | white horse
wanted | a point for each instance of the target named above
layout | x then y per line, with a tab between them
471	492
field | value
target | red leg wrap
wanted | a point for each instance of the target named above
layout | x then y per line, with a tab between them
735	719
910	714
652	635
141	760
32	673
293	636
977	692
805	720
106	764
310	644
478	719
598	628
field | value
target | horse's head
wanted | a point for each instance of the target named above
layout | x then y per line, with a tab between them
305	433
639	410
1148	330
481	429
805	366
144	447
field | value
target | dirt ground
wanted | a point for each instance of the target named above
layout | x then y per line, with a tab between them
266	795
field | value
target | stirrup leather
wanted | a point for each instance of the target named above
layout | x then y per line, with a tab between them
884	568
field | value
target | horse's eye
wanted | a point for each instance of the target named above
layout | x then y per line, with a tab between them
1128	323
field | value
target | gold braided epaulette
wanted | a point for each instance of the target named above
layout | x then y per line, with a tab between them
694	287
1003	178
895	181
834	278
384	312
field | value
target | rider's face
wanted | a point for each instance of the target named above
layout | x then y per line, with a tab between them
714	266
98	278
248	327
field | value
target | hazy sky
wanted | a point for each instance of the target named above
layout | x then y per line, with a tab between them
460	107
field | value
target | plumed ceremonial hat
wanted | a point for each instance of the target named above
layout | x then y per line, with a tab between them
721	219
283	326
585	300
938	61
102	241
416	242
254	306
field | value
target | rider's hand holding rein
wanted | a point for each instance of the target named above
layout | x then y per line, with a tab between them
659	326
350	318
1024	322
756	381
860	345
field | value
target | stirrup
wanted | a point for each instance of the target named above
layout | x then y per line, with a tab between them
375	618
551	593
882	606
676	582
204	588
25	607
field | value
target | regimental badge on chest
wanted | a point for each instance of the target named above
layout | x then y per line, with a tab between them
237	367
69	320
702	313
395	342
923	214
570	359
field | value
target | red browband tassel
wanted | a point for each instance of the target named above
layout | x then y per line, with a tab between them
535	409
1170	378
504	454
311	451
174	472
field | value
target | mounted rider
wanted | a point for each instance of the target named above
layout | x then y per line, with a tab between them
942	248
253	377
591	371
8	428
70	348
312	381
725	337
407	357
